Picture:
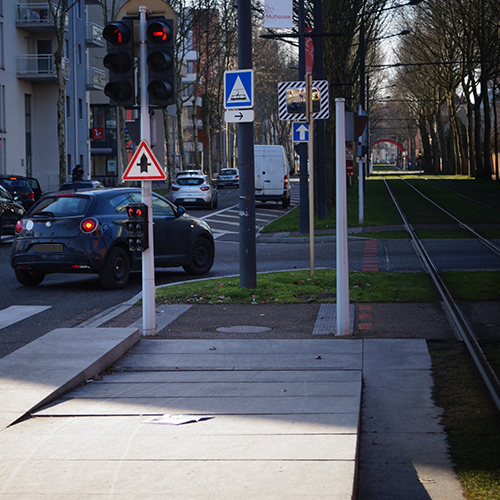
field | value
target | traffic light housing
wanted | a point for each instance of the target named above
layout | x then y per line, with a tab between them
120	62
137	226
161	62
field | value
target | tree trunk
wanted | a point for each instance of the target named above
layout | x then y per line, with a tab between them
487	128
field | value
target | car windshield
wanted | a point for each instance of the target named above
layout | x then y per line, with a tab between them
189	181
229	171
63	205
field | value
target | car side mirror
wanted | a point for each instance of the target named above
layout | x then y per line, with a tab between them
180	210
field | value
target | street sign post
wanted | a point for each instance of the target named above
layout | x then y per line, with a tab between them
239	115
300	132
238	89
144	166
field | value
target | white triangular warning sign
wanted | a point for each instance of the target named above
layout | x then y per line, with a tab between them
144	166
238	93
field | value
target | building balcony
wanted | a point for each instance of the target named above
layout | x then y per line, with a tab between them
96	79
93	35
94	2
37	17
40	67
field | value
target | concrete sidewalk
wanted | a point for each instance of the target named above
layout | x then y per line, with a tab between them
286	420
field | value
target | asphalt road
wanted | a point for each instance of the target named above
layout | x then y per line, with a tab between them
73	298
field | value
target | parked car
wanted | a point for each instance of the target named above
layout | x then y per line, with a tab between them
194	190
228	177
72	185
86	232
10	212
20	188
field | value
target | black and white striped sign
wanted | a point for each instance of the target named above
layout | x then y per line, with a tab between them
292	103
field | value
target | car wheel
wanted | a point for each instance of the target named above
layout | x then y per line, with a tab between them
116	271
216	202
29	278
202	257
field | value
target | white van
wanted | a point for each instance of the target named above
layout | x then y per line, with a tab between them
271	175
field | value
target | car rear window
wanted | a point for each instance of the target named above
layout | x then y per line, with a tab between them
189	181
15	183
229	171
63	205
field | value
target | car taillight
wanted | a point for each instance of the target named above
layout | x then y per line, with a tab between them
88	225
31	195
205	188
237	177
218	176
174	188
286	180
19	226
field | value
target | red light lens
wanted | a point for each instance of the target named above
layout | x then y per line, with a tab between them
205	188
19	226
174	188
88	225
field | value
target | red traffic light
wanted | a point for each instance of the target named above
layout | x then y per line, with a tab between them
116	33
159	32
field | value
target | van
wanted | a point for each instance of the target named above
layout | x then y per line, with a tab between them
271	175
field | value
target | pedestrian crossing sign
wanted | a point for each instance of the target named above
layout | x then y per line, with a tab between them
238	89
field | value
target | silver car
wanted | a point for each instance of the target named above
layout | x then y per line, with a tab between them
194	190
228	177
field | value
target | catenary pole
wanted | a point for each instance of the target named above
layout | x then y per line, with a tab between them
246	164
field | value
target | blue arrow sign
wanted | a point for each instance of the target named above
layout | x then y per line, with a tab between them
238	89
300	132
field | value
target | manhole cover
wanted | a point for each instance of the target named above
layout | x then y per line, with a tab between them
243	329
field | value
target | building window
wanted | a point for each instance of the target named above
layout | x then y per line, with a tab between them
2	66
27	128
104	144
3	123
2	156
80	109
78	9
79	55
68	107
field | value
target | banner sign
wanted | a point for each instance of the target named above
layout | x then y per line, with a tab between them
278	14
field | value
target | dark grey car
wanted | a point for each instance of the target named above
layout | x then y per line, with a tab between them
86	232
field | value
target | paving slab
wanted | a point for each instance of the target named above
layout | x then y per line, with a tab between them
55	363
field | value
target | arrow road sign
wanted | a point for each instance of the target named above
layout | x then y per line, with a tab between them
144	166
239	115
300	132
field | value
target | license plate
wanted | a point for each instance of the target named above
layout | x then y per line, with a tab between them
48	248
187	200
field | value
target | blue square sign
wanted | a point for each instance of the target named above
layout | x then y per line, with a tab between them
300	132
238	89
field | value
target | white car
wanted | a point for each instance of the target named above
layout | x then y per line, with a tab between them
228	177
194	190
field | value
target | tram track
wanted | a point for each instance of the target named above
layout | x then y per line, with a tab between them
456	317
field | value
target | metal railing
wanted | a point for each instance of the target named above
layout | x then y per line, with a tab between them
36	13
93	34
96	79
40	65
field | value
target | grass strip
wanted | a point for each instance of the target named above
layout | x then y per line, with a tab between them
300	287
469	418
474	286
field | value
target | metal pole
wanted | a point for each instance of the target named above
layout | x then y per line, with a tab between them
310	121
320	124
246	163
304	211
343	327
148	271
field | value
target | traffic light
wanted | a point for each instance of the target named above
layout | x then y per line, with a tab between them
161	62
137	226
120	62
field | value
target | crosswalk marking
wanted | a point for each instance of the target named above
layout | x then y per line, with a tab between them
13	314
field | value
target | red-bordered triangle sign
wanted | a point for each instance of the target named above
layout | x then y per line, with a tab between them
144	166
